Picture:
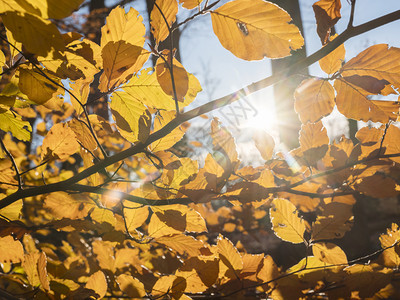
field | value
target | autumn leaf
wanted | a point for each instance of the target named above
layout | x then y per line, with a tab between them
77	208
59	143
11	251
13	211
135	215
36	87
327	13
98	283
132	118
190	4
329	253
12	122
229	255
390	257
254	29
200	273
180	82
332	62
162	17
39	36
314	99
285	221
334	221
264	143
182	244
131	286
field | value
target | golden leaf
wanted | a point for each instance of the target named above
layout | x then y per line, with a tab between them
182	244
265	143
336	219
13	211
254	29
200	273
327	13
160	22
104	252
121	26
378	61
59	143
131	286
132	118
42	271
11	251
12	122
391	142
166	222
329	253
285	221
30	266
229	255
102	215
181	80
390	257
36	87
314	99
77	208
83	134
268	272
98	283
224	143
195	222
332	62
39	36
166	142
190	4
135	215
118	58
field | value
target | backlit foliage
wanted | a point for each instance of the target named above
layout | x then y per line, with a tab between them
93	208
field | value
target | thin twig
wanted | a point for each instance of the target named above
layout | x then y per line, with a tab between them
8	153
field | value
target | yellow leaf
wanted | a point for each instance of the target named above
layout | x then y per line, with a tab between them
327	13
12	122
378	61
162	119
181	79
42	271
13	211
332	62
390	257
164	285
336	219
159	28
118	58
77	208
200	273
104	252
254	29
265	143
59	143
195	222
135	215
190	4
285	222
132	118
182	244
329	253
167	222
80	88
390	143
30	265
353	102
11	251
148	91
229	254
313	136
314	99
39	36
101	215
36	87
268	272
223	142
83	134
131	286
121	26
98	283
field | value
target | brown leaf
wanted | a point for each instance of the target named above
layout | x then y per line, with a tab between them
327	13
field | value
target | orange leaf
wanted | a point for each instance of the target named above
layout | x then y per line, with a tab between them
160	22
190	4
59	143
254	29
131	286
332	62
327	13
98	283
181	79
42	271
390	257
182	244
11	251
229	255
314	99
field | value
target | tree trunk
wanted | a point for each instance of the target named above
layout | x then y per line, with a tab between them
289	123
